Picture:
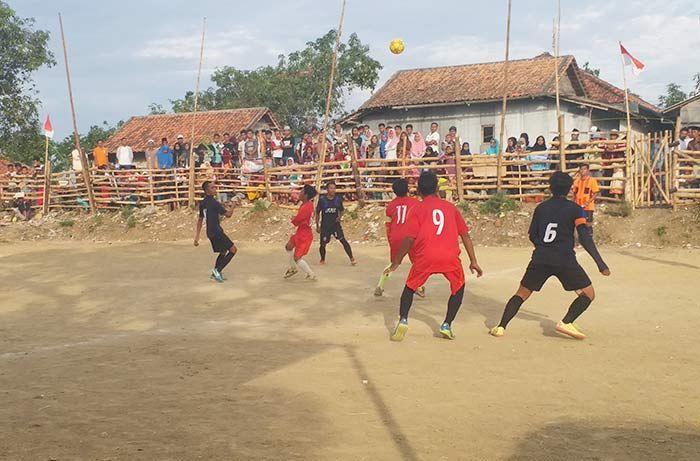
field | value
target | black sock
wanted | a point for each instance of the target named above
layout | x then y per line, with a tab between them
227	259
346	247
322	249
577	308
511	309
453	305
406	301
220	261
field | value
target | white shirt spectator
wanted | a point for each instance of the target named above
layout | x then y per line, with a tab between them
433	137
75	160
683	143
125	156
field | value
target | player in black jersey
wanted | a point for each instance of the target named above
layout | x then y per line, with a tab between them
552	233
329	212
211	210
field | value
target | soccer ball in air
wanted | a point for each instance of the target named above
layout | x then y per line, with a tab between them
396	46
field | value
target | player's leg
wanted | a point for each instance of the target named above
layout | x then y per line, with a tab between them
230	253
567	326
379	290
292	270
533	280
457	282
325	238
346	245
302	249
416	278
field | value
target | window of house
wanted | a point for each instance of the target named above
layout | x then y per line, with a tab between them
486	133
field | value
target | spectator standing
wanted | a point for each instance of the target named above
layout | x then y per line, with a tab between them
539	150
432	140
37	166
574	144
694	143
403	148
683	139
410	133
391	143
288	145
585	190
165	156
99	155
180	151
383	135
216	147
493	147
76	164
125	156
151	162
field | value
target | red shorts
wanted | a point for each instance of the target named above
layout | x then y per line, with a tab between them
301	243
418	276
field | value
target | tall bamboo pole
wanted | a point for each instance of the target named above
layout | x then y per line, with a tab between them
190	193
499	174
628	145
331	81
458	170
356	171
83	159
47	179
557	30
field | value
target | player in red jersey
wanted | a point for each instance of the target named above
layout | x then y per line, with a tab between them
299	243
397	212
434	229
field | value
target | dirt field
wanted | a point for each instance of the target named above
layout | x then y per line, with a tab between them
128	352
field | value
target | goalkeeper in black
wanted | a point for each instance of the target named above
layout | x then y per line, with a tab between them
552	233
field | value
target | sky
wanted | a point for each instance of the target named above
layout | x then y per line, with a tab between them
127	54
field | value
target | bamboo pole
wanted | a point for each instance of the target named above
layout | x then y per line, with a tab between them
458	171
629	121
499	174
331	81
562	147
83	159
190	193
403	155
356	171
47	179
556	56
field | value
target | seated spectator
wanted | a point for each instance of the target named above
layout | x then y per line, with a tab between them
21	207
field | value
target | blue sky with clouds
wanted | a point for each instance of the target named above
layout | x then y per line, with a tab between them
126	54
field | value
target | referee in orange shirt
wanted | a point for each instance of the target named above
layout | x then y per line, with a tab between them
585	190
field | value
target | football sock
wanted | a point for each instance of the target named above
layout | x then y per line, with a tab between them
219	261
226	259
577	308
322	249
406	301
382	280
303	265
512	308
292	263
346	247
453	305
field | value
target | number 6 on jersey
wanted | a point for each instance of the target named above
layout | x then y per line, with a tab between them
438	220
550	233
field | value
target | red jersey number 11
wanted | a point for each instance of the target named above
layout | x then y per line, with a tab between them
401	211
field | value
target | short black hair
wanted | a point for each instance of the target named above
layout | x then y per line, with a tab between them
400	187
382	124
409	126
205	185
560	183
685	128
427	183
217	134
163	139
397	126
575	130
330	183
309	191
452	128
585	165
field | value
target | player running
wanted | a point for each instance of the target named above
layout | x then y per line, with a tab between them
329	212
300	243
434	228
211	210
552	233
397	212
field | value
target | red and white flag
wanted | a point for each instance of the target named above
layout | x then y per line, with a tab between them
48	127
629	60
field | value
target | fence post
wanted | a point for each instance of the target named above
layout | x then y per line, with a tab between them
458	172
562	150
47	180
630	189
356	171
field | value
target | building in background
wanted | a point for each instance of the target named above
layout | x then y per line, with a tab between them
470	98
688	111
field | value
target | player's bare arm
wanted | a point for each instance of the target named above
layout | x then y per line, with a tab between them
403	251
469	247
586	240
318	221
198	231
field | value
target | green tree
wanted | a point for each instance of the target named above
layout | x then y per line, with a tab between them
696	90
674	94
588	68
296	88
23	50
155	108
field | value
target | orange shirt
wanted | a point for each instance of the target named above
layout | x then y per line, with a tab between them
100	156
583	189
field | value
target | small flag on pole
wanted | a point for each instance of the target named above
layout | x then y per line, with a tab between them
48	127
629	60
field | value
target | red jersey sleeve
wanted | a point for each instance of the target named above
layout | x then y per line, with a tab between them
462	228
303	215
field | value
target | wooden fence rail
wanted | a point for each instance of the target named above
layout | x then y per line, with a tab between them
656	170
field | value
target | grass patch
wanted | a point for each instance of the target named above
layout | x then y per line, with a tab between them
259	206
131	221
98	220
695	213
464	207
127	212
499	203
352	214
623	210
661	232
68	222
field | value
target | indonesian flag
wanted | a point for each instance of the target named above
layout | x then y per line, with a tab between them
629	60
48	127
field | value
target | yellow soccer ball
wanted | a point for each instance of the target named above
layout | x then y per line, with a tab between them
396	46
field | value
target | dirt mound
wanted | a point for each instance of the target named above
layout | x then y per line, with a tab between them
265	222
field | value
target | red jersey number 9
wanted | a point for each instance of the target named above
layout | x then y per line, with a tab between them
439	221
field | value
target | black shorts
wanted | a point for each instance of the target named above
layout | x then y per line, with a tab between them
572	276
335	231
220	242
